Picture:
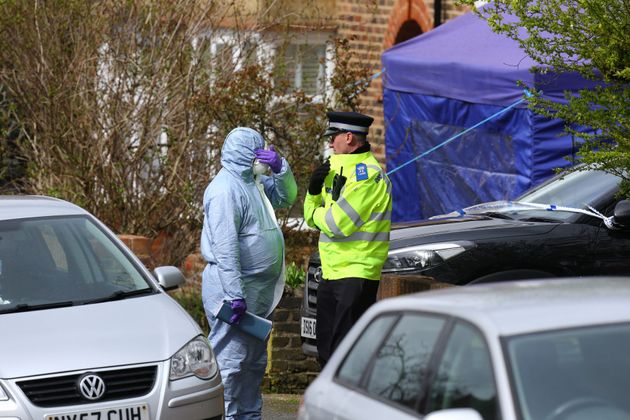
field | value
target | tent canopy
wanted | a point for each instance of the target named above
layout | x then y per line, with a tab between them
447	80
463	59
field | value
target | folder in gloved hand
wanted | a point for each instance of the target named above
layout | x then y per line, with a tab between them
250	323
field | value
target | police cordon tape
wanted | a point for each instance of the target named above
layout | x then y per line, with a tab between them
365	83
517	205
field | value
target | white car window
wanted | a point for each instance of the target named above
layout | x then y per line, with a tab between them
465	378
399	370
356	362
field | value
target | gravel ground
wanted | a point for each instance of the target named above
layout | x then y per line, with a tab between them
280	406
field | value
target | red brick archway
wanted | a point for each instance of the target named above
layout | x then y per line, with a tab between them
403	15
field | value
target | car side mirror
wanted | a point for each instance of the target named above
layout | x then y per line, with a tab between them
622	214
169	277
454	414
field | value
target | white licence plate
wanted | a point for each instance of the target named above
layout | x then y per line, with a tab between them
308	327
130	412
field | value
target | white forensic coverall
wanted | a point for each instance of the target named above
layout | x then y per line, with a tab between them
244	248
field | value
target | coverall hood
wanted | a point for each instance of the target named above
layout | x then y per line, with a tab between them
237	153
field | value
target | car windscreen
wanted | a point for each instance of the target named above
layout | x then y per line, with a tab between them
62	261
560	199
575	373
576	189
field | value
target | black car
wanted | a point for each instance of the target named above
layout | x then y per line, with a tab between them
572	225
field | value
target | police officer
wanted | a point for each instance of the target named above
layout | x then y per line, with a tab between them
350	201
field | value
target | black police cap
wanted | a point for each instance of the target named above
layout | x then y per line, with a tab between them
341	122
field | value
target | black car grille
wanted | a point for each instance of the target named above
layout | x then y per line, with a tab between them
63	390
313	277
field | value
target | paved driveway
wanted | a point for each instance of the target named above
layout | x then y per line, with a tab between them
280	406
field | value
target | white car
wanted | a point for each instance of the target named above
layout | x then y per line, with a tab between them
86	332
528	350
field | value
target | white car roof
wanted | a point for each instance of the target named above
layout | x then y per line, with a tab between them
526	306
25	206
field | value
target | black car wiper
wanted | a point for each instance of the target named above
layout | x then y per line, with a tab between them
540	219
496	215
23	307
119	295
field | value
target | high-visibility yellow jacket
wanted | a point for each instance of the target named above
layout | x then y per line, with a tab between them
354	237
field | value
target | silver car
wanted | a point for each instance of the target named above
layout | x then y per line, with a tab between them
528	350
86	332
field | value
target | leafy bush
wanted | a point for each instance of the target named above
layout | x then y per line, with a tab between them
589	38
295	276
122	110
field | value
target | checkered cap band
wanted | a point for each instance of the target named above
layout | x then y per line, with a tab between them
347	127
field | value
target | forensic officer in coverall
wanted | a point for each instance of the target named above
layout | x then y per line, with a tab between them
244	248
350	201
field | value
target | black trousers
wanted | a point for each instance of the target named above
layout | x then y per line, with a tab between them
340	303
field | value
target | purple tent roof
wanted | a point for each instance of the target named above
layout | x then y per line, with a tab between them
463	59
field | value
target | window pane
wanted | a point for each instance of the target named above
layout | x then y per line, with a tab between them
286	66
313	69
465	378
358	358
581	371
574	189
400	368
301	66
117	270
49	260
224	59
249	54
54	248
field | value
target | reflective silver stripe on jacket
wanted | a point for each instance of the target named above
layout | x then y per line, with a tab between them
349	211
354	217
380	216
358	236
332	225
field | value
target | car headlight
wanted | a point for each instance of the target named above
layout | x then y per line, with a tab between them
3	394
195	358
421	257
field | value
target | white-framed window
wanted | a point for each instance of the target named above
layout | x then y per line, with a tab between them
225	51
302	61
306	63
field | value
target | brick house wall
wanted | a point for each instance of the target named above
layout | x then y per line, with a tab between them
374	25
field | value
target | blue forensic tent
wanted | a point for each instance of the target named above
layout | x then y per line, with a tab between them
444	81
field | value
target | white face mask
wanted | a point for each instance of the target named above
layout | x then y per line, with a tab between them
328	151
259	168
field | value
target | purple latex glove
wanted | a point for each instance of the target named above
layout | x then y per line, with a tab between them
270	157
238	307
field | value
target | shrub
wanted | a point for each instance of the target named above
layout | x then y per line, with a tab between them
121	111
295	276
